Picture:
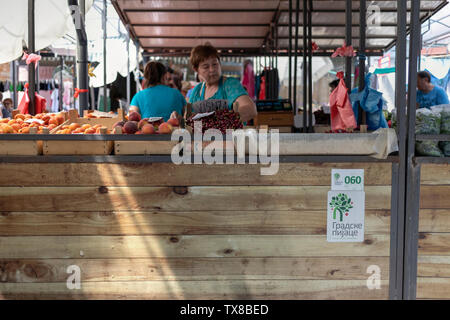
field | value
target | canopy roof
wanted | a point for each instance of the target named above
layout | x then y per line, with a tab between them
244	26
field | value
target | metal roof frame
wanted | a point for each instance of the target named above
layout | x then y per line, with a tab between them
150	21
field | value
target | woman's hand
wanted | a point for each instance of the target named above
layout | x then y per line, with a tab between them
245	107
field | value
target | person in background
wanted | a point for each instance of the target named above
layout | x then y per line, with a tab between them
185	87
1	105
7	108
157	99
428	94
333	85
172	79
206	62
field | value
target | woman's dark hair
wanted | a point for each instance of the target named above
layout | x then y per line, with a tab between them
333	84
424	74
153	73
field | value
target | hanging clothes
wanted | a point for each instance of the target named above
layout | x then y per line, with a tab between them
248	80
262	90
55	101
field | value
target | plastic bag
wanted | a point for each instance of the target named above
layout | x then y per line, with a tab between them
342	116
372	102
428	122
40	103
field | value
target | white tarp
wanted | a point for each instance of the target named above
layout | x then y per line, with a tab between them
52	21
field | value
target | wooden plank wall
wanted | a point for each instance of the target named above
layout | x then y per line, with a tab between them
433	269
162	231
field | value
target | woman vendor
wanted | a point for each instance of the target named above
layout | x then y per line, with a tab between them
157	99
206	62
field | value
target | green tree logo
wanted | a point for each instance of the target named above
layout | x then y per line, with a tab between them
342	204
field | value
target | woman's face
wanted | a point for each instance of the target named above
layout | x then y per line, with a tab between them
8	104
210	70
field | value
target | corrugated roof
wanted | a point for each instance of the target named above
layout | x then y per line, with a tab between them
243	26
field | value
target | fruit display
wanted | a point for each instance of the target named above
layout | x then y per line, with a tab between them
136	125
77	128
21	123
220	119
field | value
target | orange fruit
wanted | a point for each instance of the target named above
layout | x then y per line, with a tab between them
16	126
8	129
24	130
28	116
5	120
85	127
11	122
74	126
60	118
89	131
19	116
51	126
54	121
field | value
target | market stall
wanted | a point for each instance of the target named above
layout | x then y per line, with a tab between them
139	226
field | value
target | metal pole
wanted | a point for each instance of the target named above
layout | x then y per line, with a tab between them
137	67
14	82
362	54
413	170
61	84
305	65
297	5
31	48
348	42
128	67
310	7
82	52
290	55
397	242
105	92
276	46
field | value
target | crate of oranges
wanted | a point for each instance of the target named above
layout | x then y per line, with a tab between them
76	125
27	124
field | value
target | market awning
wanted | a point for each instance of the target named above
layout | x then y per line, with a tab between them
243	26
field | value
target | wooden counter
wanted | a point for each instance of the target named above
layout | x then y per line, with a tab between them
433	268
162	231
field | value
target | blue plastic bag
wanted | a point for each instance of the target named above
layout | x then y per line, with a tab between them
372	103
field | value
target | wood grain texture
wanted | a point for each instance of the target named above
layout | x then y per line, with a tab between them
178	199
54	147
205	290
433	288
166	223
434	220
433	266
434	244
74	247
168	174
20	148
434	197
435	174
181	269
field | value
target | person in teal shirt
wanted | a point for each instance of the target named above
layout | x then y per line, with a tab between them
206	62
428	94
157	99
